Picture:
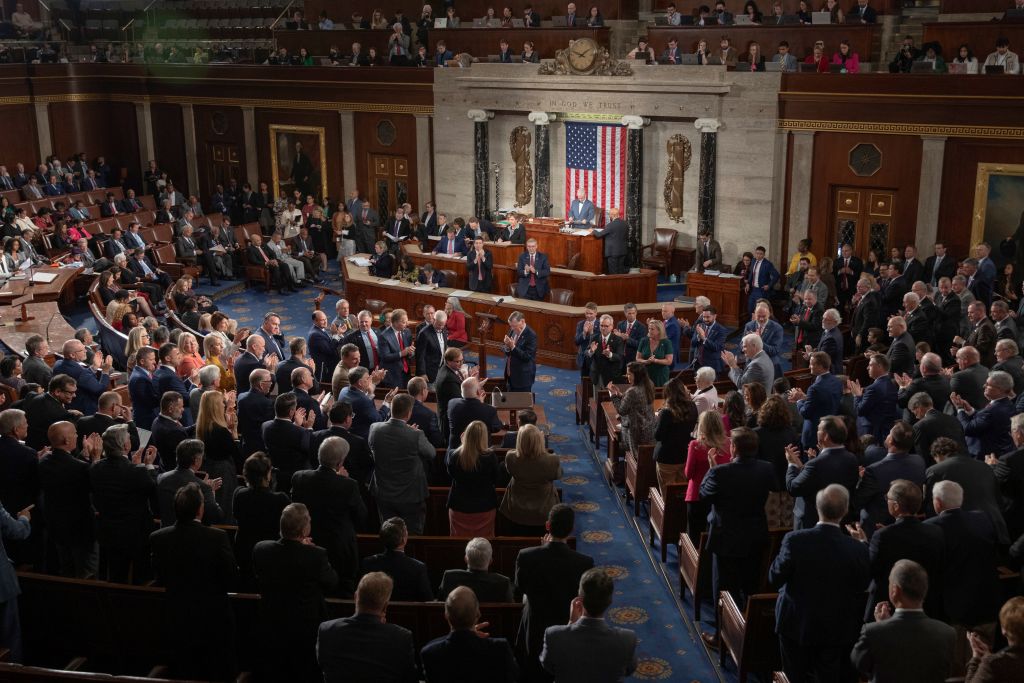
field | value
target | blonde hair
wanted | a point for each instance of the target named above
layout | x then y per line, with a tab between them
208	342
135	340
660	326
475	440
710	430
529	442
211	412
204	322
184	337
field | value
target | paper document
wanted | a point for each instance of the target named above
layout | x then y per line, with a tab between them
360	261
461	293
45	278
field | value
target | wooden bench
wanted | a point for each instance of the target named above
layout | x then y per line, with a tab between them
694	570
749	637
640	476
668	516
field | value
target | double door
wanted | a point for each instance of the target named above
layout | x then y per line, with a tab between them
863	218
390	185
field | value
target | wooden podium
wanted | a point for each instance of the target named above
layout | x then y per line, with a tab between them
726	295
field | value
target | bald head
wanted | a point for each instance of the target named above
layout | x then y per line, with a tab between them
832	502
462	609
470	387
62	436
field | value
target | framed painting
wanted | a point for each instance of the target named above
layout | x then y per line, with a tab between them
298	159
999	205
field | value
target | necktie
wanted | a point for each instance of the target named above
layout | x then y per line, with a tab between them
935	269
479	268
800	336
263	254
401	347
373	349
508	357
757	270
451	247
146	270
760	330
533	276
846	283
365	213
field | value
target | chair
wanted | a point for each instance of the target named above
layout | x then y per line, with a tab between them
749	637
562	297
668	515
166	258
113	342
512	289
254	272
376	307
660	250
640	475
694	570
451	278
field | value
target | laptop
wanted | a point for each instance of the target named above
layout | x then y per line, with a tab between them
689	59
835	68
821	18
480	22
559	22
714	61
808	68
772	66
661	21
789	19
742	20
957	67
743	66
922	68
494	58
441	23
995	69
325	61
494	23
1013	15
518	23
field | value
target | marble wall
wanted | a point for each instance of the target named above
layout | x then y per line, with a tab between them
750	158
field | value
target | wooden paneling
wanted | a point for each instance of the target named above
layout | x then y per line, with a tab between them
329	121
900	172
790	6
980	35
959	171
370	141
319	43
23	147
107	128
801	38
218	126
466	9
169	144
481	42
973	6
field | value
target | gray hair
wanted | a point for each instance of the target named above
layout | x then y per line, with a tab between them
1008	344
9	419
208	375
910	296
606	317
515	317
754	339
333	452
920	400
440	317
1002	380
706	374
453	301
115	439
1016	422
702	301
470	386
832	502
478	553
833	314
949	493
931	362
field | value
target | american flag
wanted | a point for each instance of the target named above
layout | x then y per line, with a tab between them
595	159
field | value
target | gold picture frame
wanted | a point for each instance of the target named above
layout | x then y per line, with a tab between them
283	141
998	203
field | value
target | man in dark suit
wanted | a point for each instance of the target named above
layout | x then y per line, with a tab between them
335	507
142	388
548	576
322	347
822	399
280	275
1009	472
46	409
709	252
867	311
604	351
167	430
631	331
969	381
424	418
187	458
250	360
480	267
306	395
761	278
463	654
487	586
147	272
912	269
109	412
255	407
920	323
979	283
296	359
821	575
402	456
411	580
34	367
846	273
196	565
533	273
367	221
938	266
431	342
514	232
988	430
396	231
92	378
448	386
366	339
1008	360
832	465
585	330
359	393
286	439
397	350
292	574
615	250
428	219
365	647
450	243
905	539
982	335
588	649
876	403
707	338
1004	325
931	381
979	484
931	425
899	463
902	351
165	377
737	525
358	463
520	345
893	290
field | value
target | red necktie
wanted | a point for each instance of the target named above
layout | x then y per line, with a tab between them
373	348
263	254
533	276
451	247
800	337
401	347
479	268
508	358
365	213
760	330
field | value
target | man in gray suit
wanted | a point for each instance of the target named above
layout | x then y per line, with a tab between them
367	221
588	649
34	367
759	366
905	645
401	456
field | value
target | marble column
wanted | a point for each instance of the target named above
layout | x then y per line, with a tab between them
252	167
933	154
144	124
541	162
481	161
424	168
800	185
348	156
706	193
192	162
634	186
43	130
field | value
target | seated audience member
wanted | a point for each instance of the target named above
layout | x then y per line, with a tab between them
904	644
966	60
1003	57
818	58
863	12
588	649
486	585
784	57
293	575
466	653
933	55
364	646
411	582
905	58
531	493
642	51
1006	664
846	59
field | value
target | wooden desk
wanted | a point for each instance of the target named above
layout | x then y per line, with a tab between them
481	42
48	322
801	38
982	35
604	290
61	290
561	247
319	43
726	295
555	325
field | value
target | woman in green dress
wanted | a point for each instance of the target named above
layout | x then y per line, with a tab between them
656	352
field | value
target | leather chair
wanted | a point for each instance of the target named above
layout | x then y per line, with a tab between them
376	307
562	297
451	278
660	250
574	262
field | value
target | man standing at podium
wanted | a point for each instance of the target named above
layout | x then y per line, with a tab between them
520	354
513	233
581	211
709	253
533	272
480	267
614	236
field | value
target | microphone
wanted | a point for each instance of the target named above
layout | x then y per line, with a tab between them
501	396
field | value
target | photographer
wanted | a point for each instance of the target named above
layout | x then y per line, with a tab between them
906	57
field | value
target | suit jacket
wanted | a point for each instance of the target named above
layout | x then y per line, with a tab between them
936	386
166	379
283	374
13	529
589	650
737	492
901	354
933	425
35	369
366	352
970	384
364	411
947	268
275	345
292	578
758	369
870	495
980	485
99	422
363	648
395	231
1014	366
707	351
710	251
462	411
430	352
399	368
831	466
426	420
867	314
906	539
831	342
167	485
981	288
287	444
458	245
447	386
983	337
311	405
42	411
912	270
166	434
614	236
541	278
145	398
876	408
464	656
766	277
972	591
481	276
488	586
67	508
336	509
988	430
908	646
19	475
254	409
582	212
323	349
121	494
1009	472
605	369
821	575
771	338
401	460
823	398
412	581
91	383
892	296
548	576
521	360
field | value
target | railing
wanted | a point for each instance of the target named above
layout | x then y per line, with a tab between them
282	14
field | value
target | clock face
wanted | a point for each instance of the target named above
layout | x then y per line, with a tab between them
582	54
865	159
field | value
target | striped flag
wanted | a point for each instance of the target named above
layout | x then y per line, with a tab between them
595	159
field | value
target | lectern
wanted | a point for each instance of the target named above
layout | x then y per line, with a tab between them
512	401
486	321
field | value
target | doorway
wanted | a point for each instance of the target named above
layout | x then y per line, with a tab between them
389	183
863	218
225	164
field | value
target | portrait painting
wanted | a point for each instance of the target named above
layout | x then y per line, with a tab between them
999	208
298	157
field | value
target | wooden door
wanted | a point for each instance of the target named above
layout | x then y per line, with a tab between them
863	218
225	164
389	185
